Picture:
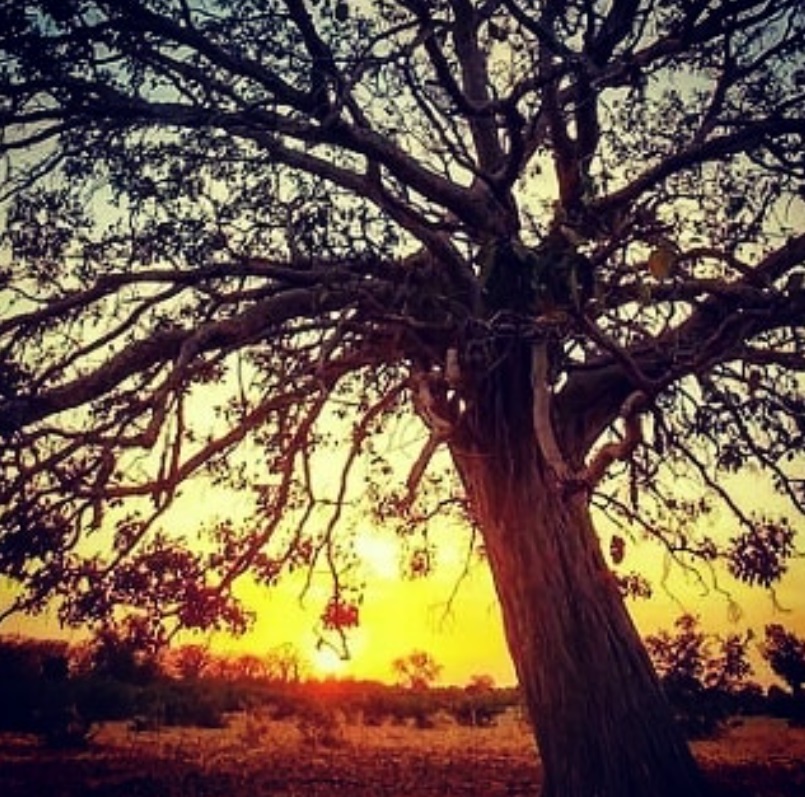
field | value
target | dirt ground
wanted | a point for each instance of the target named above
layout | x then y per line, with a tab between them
255	757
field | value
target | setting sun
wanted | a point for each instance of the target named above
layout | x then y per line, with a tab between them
328	662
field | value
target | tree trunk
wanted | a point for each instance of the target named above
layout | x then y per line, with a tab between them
602	725
601	722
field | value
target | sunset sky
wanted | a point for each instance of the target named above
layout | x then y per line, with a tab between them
399	615
466	637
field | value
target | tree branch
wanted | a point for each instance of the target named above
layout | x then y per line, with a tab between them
252	323
622	449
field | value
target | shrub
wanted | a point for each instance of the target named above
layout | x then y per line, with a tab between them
702	674
320	726
62	727
102	699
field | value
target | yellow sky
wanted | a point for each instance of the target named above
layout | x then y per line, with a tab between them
466	637
399	616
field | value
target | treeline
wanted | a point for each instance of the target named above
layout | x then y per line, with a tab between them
61	693
709	678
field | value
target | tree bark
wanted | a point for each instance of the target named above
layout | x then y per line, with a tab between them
601	722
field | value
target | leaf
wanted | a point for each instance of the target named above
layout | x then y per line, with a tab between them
662	261
617	549
644	293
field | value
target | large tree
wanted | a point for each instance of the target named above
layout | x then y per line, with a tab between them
563	234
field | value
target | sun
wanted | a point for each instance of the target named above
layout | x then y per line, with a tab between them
328	663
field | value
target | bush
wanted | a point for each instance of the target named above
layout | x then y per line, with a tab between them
320	726
59	723
700	712
32	673
186	704
62	727
703	675
476	712
102	699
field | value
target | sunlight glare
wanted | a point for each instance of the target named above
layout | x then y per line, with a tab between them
328	663
380	555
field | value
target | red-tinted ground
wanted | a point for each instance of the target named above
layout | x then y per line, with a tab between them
254	757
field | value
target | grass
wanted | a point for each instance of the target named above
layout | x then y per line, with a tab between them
257	756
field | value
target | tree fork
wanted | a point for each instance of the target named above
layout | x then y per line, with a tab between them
601	722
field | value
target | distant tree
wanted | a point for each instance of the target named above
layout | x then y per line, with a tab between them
690	655
478	706
26	658
189	662
245	666
480	684
123	657
704	675
562	239
417	670
785	653
730	668
284	664
679	656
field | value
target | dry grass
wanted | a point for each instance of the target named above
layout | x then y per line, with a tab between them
257	756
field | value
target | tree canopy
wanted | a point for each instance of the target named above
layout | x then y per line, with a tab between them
231	228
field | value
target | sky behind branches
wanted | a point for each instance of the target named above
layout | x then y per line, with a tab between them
453	613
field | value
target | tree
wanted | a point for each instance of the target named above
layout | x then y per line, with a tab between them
417	670
123	657
785	653
190	661
689	655
704	675
563	235
479	705
246	666
284	664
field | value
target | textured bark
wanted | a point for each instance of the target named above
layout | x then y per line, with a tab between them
601	722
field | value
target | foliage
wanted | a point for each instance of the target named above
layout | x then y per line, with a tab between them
23	663
704	675
480	704
417	670
785	653
123	656
188	662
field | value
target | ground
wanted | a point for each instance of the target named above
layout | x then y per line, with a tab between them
256	757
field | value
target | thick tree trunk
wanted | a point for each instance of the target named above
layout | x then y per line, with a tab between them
601	723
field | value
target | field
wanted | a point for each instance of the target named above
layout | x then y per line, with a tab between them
253	756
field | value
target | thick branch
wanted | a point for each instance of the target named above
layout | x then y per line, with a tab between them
698	152
252	324
543	415
622	449
715	332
